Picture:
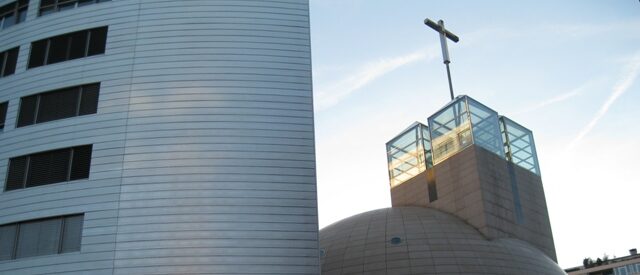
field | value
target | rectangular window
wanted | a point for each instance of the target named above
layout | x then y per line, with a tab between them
51	6
49	167
8	61
68	47
13	13
41	237
3	113
59	104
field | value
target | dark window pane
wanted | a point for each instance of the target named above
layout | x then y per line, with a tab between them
66	4
85	2
38	238
44	3
72	234
78	45
27	112
6	9
3	114
98	40
89	102
15	177
47	10
12	60
81	163
38	50
2	56
22	15
48	167
9	20
58	49
58	105
7	241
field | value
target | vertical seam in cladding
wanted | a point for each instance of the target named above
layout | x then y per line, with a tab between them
313	131
126	133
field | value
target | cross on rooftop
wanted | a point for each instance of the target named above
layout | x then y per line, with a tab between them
444	34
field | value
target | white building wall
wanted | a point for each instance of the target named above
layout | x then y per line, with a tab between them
203	150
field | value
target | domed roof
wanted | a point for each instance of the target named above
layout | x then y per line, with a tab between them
415	240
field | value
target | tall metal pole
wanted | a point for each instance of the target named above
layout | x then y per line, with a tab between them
449	77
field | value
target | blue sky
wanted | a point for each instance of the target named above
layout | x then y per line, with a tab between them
567	70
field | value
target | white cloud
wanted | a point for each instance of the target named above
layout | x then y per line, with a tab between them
328	96
556	99
629	76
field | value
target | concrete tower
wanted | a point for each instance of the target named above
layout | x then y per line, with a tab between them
477	165
156	137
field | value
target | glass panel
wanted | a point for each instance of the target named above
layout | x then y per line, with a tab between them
85	2
426	142
26	115
47	10
9	21
48	167
3	114
81	162
72	234
450	130
58	49
89	102
78	45
38	238
15	179
7	241
66	4
58	105
22	15
98	40
406	155
486	128
38	51
12	61
520	146
2	56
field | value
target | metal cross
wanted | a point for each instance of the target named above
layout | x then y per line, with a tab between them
444	34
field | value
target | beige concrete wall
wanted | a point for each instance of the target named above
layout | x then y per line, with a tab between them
476	186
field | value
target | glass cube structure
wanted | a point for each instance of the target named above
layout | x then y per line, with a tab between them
519	146
461	123
409	153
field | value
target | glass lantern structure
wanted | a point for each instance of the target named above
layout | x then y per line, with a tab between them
458	125
409	153
461	123
519	146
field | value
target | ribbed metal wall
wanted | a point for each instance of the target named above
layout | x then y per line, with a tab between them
203	149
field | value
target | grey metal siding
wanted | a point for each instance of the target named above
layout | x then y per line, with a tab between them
203	158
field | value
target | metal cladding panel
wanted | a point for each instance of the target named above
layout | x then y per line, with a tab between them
203	149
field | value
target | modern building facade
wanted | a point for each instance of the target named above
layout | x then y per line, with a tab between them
156	137
467	198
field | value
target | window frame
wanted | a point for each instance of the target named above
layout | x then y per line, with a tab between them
55	6
27	172
38	49
4	59
18	7
82	92
61	237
